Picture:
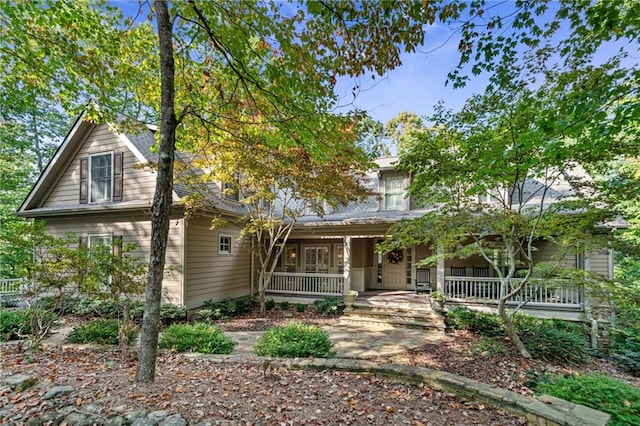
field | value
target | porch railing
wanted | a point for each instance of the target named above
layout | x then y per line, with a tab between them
311	284
11	286
550	294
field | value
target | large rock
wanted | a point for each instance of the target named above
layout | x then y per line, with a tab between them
20	381
175	420
58	391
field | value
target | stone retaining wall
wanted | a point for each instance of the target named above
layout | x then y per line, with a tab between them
544	410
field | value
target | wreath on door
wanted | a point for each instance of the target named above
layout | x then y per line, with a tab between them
395	257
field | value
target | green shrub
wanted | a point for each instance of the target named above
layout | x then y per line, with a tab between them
295	340
329	305
490	347
62	304
100	331
300	307
209	315
629	361
12	323
16	323
553	340
170	313
284	305
476	321
600	392
269	304
199	337
228	308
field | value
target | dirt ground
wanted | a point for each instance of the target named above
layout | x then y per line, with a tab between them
207	393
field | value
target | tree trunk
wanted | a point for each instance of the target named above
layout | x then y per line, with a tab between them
511	329
162	201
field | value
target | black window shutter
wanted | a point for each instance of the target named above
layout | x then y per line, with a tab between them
118	173
83	242
84	180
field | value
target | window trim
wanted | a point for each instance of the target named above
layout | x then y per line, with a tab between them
220	250
107	235
90	178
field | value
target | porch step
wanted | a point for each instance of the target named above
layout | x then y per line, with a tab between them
401	316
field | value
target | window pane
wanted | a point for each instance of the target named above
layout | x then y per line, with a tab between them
394	192
101	178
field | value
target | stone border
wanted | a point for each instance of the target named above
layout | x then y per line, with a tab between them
544	410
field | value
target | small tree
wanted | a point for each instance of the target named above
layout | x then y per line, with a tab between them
277	184
499	185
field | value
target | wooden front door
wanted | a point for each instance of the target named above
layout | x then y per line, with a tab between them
393	272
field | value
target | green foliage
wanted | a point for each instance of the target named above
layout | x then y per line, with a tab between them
490	347
12	323
329	305
548	340
108	308
603	393
61	304
295	340
19	323
479	322
100	331
199	337
170	313
300	307
284	305
269	304
629	360
227	308
554	340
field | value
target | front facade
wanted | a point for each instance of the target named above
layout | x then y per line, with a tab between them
99	185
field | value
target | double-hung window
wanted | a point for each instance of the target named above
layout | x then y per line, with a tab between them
101	177
394	192
99	240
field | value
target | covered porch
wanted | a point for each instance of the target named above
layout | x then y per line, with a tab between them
332	266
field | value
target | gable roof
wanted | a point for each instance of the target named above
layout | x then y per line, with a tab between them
140	144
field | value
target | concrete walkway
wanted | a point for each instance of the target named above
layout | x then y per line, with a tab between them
350	341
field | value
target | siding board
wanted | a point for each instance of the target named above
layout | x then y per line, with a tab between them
210	275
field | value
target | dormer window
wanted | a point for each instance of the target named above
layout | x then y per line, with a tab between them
231	192
394	192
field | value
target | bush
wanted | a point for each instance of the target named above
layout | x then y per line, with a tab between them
16	323
629	361
284	305
476	321
295	340
329	305
227	308
171	313
600	392
300	307
100	331
199	337
269	304
12	323
490	347
62	304
553	340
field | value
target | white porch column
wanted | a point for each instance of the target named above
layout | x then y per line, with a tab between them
347	264
440	274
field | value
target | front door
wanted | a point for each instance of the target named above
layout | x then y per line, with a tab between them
393	271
